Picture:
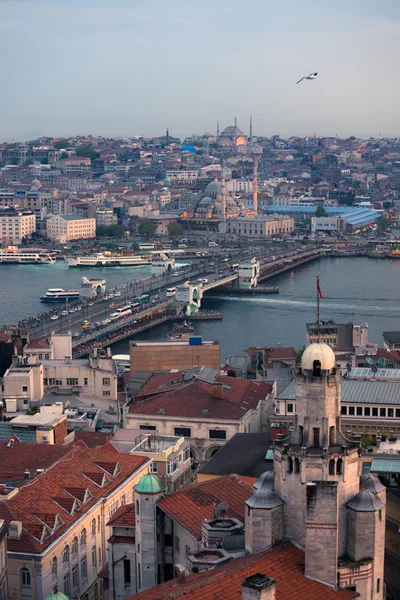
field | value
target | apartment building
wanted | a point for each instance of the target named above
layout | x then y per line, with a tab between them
65	228
106	217
161	355
76	165
182	176
15	225
57	532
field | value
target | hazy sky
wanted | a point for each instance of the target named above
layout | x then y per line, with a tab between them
135	67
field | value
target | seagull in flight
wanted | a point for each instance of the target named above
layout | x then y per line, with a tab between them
310	76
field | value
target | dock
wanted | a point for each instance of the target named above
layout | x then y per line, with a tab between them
201	315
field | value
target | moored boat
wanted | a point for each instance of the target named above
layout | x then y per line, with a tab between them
108	260
60	295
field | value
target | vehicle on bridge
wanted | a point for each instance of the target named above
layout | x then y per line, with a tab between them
86	324
171	291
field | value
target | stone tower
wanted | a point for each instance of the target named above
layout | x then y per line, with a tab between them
317	476
263	518
148	491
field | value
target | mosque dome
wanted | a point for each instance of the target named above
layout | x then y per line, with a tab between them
149	484
56	596
213	187
231	131
321	352
206	201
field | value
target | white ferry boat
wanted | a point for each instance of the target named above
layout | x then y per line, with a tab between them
14	256
60	295
108	260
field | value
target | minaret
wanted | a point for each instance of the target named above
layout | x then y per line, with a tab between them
255	184
251	129
235	133
167	136
217	128
222	226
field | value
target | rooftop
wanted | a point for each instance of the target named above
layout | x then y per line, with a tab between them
244	454
195	503
19	457
358	391
284	563
37	420
124	517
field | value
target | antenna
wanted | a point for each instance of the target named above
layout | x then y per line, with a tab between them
221	509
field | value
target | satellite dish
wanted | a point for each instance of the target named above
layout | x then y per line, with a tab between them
369	361
382	363
348	367
221	509
374	368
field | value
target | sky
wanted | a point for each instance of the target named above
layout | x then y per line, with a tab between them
136	67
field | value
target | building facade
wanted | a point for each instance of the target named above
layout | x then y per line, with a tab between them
15	225
65	228
3	561
259	226
161	355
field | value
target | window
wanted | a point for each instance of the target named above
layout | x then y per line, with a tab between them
374	412
154	467
331	467
139	576
367	411
66	555
127	571
24	388
85	381
351	410
176	543
83	537
72	381
94	556
290	465
390	412
98	524
172	466
296	465
152	427
218	434
183	431
316	368
93	526
67	585
316	437
54	565
25	577
397	413
359	411
75	577
378	585
123	499
84	567
100	558
137	507
290	407
382	412
186	453
106	381
106	393
74	545
339	467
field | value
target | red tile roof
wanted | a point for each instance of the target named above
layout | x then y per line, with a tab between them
92	439
124	517
284	563
196	399
21	457
40	344
195	503
63	487
280	353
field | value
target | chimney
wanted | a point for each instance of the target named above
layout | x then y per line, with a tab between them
15	530
180	573
258	587
27	475
218	390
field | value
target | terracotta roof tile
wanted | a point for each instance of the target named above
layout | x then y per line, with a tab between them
192	505
57	491
124	517
284	563
21	457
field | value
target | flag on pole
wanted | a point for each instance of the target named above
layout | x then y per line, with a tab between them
319	293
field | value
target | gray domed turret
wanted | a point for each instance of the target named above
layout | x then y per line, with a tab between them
263	515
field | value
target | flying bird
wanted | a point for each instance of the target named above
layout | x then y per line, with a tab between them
310	76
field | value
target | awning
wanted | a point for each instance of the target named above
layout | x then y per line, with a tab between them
385	465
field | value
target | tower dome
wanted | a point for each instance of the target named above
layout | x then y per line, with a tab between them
149	484
318	352
214	187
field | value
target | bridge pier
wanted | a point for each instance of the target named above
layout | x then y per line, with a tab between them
249	273
162	265
190	296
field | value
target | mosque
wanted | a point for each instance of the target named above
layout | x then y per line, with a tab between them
232	136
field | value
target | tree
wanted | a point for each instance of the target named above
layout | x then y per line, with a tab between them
63	143
147	228
14	161
101	230
28	162
63	155
44	161
383	224
115	230
87	152
320	212
174	229
299	354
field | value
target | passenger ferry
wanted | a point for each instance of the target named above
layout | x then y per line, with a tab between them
108	260
14	256
60	295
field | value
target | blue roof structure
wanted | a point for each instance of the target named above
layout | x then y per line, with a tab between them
354	215
22	433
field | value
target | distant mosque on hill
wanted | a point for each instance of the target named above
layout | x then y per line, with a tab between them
232	136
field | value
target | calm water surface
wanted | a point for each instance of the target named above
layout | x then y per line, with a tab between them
358	289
